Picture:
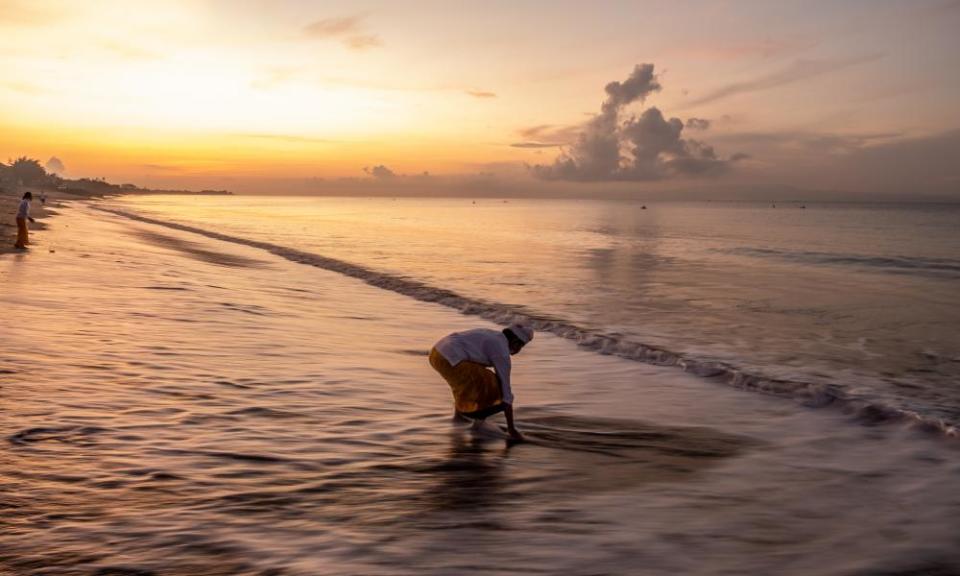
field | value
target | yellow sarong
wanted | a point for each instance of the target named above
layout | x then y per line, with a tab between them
474	387
22	235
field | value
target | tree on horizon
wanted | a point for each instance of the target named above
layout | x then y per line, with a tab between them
27	170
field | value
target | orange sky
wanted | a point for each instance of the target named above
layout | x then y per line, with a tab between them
188	92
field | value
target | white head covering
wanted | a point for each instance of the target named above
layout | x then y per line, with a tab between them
524	333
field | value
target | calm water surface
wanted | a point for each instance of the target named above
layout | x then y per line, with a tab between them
172	404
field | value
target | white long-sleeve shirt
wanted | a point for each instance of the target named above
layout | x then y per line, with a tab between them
483	346
23	211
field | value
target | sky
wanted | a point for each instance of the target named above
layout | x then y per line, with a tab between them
854	98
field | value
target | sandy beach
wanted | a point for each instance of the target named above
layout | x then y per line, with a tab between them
8	207
212	408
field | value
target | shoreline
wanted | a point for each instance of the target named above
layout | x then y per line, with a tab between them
38	211
9	200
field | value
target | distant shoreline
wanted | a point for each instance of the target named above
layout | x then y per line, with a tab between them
9	200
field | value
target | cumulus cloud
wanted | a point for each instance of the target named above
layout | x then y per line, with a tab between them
348	30
380	172
640	84
698	124
648	147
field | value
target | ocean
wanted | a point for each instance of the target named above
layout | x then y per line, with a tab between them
839	301
239	385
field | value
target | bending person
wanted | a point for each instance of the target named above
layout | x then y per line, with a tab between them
464	359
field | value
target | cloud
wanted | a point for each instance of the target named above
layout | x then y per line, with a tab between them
698	124
795	72
55	165
333	27
740	49
902	167
826	143
547	136
380	172
481	93
641	83
648	147
348	30
534	145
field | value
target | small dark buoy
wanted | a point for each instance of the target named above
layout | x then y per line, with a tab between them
644	207
803	207
773	205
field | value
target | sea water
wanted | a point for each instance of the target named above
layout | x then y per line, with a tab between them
852	300
260	402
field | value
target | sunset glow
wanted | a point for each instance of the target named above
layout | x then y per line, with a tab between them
180	93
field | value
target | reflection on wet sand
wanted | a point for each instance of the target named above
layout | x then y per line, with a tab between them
195	250
566	455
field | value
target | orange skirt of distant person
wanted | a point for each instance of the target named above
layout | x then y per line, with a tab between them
22	235
474	386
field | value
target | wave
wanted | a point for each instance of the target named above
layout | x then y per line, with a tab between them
913	265
811	394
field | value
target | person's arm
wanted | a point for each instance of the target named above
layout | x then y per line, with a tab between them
502	366
511	427
499	355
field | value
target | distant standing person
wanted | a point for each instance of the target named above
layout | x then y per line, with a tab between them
23	214
464	359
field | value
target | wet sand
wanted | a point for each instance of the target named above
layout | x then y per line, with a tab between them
176	405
